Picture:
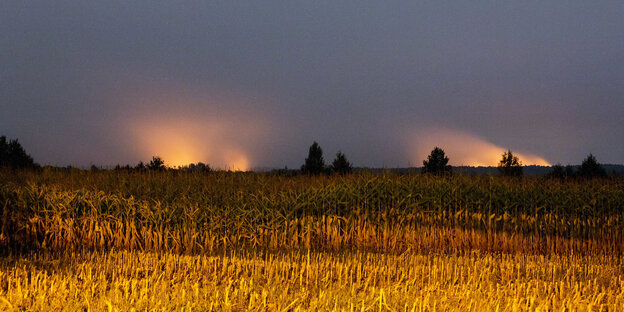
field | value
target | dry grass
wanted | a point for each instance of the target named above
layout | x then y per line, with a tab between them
315	281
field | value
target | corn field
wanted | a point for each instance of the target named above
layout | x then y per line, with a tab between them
115	240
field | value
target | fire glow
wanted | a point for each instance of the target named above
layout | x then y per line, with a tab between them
181	141
467	149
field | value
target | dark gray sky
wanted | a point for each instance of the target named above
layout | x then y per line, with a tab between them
250	84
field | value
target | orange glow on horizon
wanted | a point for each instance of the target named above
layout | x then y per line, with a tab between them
237	161
180	142
174	146
467	149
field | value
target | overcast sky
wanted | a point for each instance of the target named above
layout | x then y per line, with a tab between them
254	83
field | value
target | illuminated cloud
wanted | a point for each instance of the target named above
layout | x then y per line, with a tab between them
464	148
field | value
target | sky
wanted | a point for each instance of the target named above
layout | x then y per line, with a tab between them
251	84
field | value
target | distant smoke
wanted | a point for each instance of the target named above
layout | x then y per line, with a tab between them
180	141
184	129
464	148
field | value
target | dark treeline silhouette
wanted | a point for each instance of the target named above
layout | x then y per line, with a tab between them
13	155
590	168
158	164
437	164
315	164
561	172
200	166
510	166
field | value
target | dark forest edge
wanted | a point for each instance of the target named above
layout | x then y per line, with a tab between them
13	156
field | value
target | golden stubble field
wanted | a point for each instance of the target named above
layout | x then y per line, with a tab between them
318	281
107	241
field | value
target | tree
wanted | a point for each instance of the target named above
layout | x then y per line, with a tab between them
590	168
314	164
436	163
13	155
156	164
509	165
341	165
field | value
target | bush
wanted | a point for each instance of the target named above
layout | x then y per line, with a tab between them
200	167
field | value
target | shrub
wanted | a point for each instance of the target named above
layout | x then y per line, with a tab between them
200	166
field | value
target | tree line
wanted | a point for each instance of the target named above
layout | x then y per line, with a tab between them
437	163
13	155
510	166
